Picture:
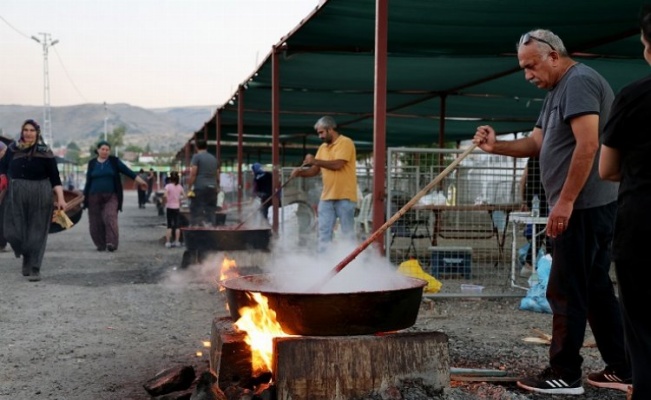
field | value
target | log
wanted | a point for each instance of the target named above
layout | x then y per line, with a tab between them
170	380
230	357
344	367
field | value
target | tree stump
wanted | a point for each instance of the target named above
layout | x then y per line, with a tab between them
230	357
343	367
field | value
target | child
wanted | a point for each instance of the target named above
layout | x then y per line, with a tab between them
173	194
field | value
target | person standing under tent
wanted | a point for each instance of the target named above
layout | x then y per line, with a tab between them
581	216
625	152
203	183
173	195
262	187
336	162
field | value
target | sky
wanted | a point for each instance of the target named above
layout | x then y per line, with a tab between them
147	53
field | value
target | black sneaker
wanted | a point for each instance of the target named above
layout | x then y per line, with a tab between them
609	379
552	383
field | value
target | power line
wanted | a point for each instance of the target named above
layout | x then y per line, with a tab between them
65	70
12	27
68	75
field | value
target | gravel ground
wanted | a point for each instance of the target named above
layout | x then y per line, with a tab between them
101	324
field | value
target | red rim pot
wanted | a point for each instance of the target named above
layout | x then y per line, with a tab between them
331	314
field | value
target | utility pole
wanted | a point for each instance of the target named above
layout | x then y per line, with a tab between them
105	123
46	42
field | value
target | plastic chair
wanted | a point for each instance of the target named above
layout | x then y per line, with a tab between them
410	227
363	219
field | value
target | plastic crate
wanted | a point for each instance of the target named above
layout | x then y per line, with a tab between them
451	260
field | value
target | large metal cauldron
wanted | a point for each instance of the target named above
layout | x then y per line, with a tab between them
331	314
223	238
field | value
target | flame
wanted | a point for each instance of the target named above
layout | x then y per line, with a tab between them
228	269
260	324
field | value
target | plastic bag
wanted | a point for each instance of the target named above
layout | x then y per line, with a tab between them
61	218
536	299
413	269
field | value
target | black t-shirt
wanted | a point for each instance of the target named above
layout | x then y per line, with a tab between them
263	185
628	131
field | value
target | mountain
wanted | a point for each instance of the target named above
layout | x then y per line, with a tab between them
158	127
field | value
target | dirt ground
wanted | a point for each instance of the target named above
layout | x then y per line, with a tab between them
101	324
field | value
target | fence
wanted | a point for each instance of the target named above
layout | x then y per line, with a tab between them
459	232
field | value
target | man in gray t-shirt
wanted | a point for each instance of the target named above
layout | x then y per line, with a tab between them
581	215
203	182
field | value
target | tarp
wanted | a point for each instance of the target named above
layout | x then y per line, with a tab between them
461	52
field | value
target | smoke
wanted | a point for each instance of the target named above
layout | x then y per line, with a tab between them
201	273
299	269
251	216
208	270
293	265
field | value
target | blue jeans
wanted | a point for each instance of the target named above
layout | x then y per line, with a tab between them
329	211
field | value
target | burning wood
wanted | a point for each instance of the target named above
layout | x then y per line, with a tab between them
207	389
261	327
228	270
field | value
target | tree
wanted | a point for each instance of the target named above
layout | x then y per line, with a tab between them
73	152
116	137
134	148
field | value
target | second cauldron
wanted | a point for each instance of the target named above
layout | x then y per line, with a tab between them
202	240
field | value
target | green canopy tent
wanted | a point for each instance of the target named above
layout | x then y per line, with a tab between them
450	66
447	58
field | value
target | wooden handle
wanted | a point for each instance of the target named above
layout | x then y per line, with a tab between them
73	203
396	216
263	203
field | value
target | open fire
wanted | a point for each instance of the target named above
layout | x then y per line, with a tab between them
228	270
368	354
257	322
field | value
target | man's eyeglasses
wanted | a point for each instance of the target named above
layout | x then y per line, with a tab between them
526	38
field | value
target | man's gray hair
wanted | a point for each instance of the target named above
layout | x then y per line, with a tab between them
549	39
326	122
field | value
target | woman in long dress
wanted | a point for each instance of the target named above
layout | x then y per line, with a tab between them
103	196
30	172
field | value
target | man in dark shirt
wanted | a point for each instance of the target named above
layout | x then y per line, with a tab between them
203	182
262	187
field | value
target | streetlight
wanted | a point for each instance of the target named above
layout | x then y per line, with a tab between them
47	117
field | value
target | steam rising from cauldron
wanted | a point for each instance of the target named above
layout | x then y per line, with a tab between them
297	270
293	264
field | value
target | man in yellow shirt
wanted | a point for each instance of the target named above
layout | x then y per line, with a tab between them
336	161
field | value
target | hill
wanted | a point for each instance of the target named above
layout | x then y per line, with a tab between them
161	128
